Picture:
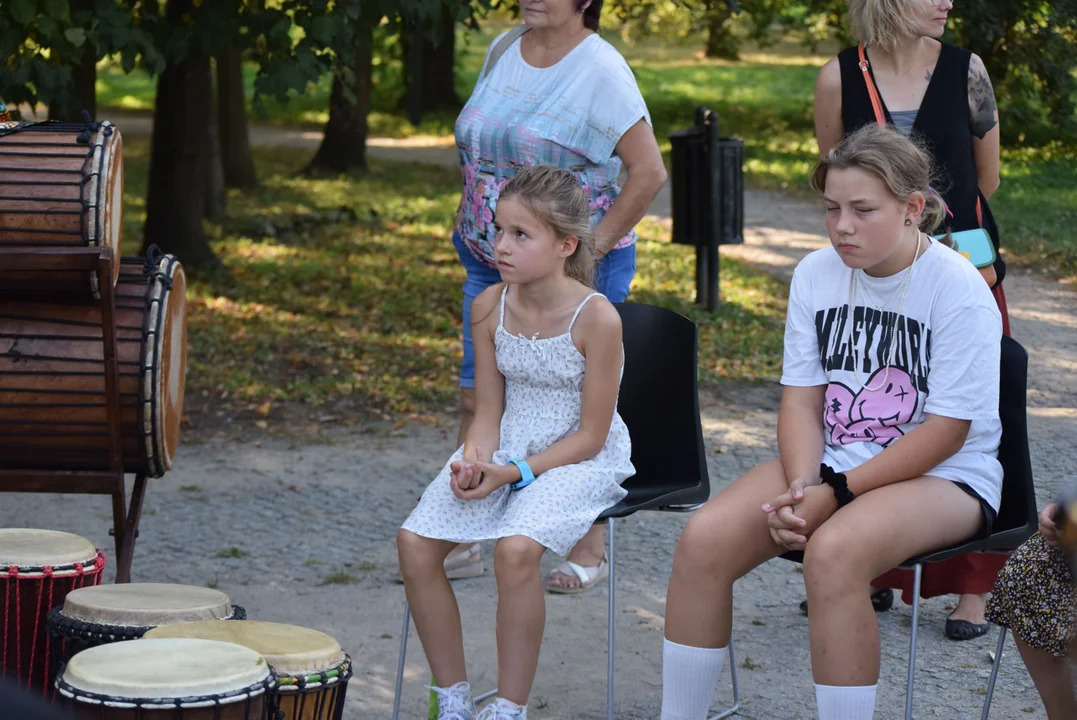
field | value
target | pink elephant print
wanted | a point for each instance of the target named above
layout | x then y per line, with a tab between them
870	416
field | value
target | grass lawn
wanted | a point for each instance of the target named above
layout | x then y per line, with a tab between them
765	99
345	292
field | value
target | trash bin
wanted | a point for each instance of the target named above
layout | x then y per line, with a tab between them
707	188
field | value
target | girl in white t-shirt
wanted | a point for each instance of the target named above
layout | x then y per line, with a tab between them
888	432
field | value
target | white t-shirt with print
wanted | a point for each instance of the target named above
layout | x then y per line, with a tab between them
570	115
946	361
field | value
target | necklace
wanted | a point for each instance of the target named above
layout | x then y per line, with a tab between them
893	334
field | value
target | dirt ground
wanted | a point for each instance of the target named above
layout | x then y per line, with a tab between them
303	533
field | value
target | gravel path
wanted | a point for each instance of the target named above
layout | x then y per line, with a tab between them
305	535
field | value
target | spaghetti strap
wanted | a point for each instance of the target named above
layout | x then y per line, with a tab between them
577	314
501	317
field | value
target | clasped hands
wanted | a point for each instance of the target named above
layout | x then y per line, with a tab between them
793	516
475	479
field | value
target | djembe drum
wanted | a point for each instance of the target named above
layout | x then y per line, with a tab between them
313	669
61	185
167	679
104	614
53	409
38	568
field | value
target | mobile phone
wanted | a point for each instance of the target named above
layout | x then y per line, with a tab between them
975	245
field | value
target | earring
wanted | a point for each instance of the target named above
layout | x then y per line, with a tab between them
908	222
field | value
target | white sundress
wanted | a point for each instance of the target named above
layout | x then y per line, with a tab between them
543	392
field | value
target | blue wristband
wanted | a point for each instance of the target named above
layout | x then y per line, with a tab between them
526	476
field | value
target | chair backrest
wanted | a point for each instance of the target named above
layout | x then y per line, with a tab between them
1018	508
659	402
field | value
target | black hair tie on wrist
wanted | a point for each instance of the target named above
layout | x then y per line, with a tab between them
839	483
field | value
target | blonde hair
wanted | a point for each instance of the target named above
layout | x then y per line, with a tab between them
882	23
555	197
904	167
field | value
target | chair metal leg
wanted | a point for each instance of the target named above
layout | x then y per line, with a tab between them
609	631
401	659
994	673
736	691
400	666
917	575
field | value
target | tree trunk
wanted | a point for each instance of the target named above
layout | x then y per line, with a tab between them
84	96
236	159
176	198
436	72
216	193
344	146
721	43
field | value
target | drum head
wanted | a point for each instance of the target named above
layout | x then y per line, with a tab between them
112	225
293	651
165	669
171	363
145	604
37	548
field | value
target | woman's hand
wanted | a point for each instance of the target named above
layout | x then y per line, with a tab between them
1047	524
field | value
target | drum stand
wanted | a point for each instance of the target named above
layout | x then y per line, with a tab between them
91	482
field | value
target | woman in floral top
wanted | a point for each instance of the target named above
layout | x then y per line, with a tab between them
557	95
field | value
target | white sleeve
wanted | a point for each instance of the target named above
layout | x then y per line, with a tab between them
801	366
616	105
964	368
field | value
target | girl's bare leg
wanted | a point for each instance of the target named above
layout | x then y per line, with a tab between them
721	542
521	615
874	533
433	605
1053	679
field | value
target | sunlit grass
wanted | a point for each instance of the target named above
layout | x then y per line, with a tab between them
346	290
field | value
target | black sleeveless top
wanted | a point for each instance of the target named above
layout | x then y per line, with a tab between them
942	126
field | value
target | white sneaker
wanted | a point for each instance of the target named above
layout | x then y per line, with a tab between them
455	703
502	709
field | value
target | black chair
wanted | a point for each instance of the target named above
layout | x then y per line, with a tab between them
659	402
1016	521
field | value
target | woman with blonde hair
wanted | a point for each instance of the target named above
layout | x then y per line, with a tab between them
888	432
901	74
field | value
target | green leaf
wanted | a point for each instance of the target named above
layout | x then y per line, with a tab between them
75	36
22	11
57	8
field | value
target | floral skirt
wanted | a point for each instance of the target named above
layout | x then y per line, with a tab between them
1034	598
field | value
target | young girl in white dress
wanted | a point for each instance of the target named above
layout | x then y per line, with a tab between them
546	453
888	433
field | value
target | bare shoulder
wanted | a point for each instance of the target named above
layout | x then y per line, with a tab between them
484	309
599	321
983	108
829	79
977	67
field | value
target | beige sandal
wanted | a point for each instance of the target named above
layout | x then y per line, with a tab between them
462	565
466	564
588	576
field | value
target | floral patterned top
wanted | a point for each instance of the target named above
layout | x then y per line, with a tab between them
570	115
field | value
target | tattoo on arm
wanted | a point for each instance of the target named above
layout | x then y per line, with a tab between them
984	111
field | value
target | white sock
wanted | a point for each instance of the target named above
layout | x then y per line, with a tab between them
689	676
837	702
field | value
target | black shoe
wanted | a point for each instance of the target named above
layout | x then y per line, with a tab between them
881	600
964	630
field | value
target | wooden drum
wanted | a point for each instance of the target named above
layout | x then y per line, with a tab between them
61	185
166	680
38	568
53	413
95	616
312	668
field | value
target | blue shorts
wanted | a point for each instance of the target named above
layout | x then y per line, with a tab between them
613	278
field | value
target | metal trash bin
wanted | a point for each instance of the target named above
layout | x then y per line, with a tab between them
707	188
